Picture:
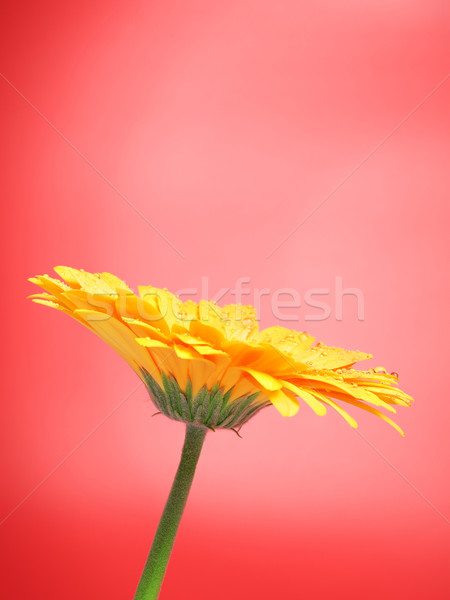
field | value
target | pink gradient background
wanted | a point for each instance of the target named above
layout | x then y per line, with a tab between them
225	124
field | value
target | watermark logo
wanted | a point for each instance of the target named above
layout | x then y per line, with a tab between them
286	304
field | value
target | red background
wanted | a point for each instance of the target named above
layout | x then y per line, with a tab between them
225	124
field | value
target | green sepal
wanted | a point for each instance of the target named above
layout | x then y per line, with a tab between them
209	408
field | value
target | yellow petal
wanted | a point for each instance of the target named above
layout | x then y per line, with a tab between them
264	379
273	360
244	353
328	382
244	387
188	312
373	376
180	362
230	377
120	338
293	343
200	373
307	397
144	330
285	402
44	296
101	303
113	282
239	322
69	276
376	412
205	350
328	357
169	306
211	335
185	352
350	420
181	334
152	343
390	394
89	282
63	309
129	306
211	315
47	303
51	285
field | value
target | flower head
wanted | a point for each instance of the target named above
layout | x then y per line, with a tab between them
211	365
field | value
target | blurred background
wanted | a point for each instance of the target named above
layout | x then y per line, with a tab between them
285	142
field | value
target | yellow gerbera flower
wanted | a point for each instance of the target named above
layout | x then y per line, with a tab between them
210	365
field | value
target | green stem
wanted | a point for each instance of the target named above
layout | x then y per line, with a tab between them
158	558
